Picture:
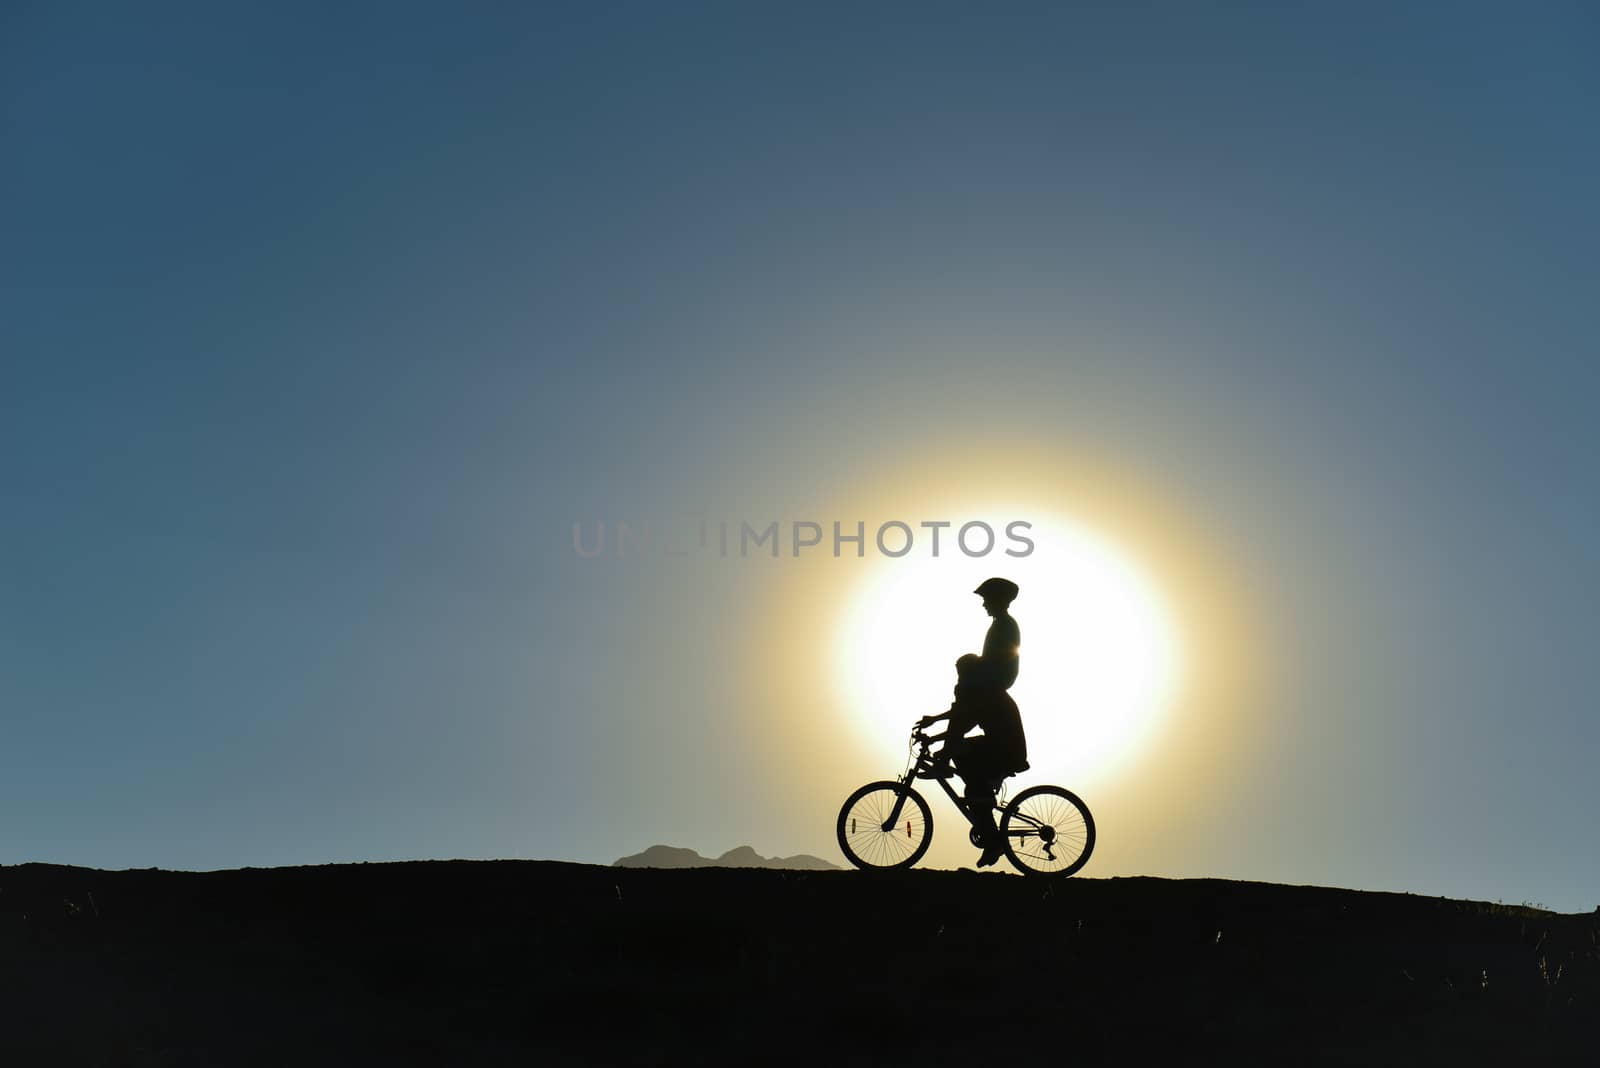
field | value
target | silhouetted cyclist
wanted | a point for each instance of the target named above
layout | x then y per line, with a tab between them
981	701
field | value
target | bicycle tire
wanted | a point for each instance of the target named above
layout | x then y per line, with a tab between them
860	828
1047	831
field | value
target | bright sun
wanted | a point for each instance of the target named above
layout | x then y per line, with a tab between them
1101	657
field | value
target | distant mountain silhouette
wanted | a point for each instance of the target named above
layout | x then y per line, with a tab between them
663	856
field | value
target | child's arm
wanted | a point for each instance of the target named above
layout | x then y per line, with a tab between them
956	728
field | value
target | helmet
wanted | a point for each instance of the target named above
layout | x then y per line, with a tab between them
997	589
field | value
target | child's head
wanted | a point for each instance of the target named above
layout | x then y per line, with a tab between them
997	594
967	666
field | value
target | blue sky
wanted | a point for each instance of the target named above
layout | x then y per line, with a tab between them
320	329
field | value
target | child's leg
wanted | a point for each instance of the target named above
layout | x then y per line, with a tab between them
980	803
978	776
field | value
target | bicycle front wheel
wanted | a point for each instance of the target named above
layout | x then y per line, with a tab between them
867	838
1048	831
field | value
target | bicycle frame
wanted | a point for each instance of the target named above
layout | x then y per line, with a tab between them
919	769
1036	823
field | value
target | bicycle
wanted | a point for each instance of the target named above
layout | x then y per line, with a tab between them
1046	830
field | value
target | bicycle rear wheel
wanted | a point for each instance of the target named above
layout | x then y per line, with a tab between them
864	839
1048	831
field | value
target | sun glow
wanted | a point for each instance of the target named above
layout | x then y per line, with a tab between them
1101	655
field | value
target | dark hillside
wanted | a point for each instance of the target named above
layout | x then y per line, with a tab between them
517	962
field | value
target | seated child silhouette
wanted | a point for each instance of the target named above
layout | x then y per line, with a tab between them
984	761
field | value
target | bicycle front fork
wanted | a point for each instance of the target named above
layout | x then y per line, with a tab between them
899	805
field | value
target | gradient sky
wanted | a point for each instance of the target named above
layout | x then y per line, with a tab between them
320	327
